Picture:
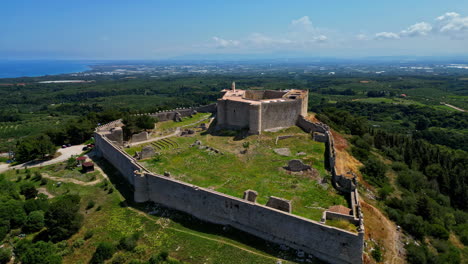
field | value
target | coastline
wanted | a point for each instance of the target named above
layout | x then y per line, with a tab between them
38	68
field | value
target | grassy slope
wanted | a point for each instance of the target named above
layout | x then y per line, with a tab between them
193	243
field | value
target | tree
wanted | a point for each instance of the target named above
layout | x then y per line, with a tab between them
34	221
40	203
28	190
34	147
375	170
63	218
37	253
145	122
13	212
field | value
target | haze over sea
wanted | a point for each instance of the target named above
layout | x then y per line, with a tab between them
33	68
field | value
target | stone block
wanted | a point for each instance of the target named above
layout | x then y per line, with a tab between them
140	137
250	195
147	152
280	204
297	165
319	137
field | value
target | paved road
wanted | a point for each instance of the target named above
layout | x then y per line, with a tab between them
66	153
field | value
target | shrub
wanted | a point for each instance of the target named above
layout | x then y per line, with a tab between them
155	259
37	176
415	254
28	190
78	243
104	251
98	208
377	254
43	181
63	218
90	205
34	221
129	243
88	234
439	231
5	255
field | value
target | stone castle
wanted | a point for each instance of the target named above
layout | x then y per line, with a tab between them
260	110
273	222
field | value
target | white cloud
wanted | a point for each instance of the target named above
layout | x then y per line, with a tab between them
321	38
418	29
225	43
303	21
362	37
386	35
453	24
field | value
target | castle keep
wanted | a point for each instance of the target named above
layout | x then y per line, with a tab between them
260	110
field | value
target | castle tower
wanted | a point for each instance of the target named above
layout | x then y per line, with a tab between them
233	86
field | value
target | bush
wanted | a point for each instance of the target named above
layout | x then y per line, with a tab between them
28	190
89	234
37	253
104	251
37	176
90	205
34	221
374	171
63	218
43	181
377	254
439	231
5	255
99	208
78	243
129	243
415	254
155	259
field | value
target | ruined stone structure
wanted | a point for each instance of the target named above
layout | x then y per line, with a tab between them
272	222
260	110
142	136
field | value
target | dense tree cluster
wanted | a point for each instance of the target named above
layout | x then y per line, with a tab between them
136	124
22	208
432	181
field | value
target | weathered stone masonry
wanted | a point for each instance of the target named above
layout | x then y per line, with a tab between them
325	242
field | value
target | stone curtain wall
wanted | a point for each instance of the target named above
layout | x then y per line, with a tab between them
170	114
340	182
328	243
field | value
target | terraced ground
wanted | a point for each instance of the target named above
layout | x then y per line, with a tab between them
231	165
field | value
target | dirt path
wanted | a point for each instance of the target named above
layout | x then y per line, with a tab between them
70	180
44	191
200	236
380	229
176	132
454	107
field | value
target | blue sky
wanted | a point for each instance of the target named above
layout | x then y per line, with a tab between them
144	29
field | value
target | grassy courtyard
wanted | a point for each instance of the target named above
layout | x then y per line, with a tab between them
251	163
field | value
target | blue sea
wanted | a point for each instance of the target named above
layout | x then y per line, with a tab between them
34	68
